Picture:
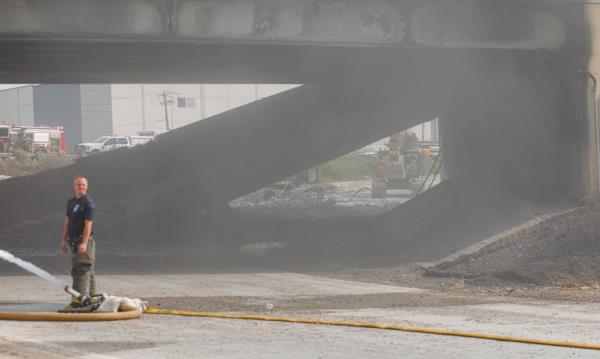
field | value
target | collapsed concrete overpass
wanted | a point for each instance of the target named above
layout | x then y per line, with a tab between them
259	41
511	81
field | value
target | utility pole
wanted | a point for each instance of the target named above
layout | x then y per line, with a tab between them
143	103
18	106
166	100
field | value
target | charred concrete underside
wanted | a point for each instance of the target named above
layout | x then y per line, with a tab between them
262	41
511	124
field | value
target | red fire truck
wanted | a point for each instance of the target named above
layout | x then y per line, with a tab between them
34	140
5	138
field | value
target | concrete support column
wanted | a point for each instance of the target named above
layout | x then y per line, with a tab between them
589	140
519	147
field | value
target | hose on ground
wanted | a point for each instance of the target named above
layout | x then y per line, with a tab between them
70	317
152	310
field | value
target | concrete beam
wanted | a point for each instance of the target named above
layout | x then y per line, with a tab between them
463	24
266	41
221	158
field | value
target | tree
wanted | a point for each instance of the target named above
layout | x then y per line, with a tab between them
408	141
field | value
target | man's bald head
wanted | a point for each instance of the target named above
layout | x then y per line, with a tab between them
80	186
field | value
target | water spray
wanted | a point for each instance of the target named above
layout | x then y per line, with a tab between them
31	268
83	299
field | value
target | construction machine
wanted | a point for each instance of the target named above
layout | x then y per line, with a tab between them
400	163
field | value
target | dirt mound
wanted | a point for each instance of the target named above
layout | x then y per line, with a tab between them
561	251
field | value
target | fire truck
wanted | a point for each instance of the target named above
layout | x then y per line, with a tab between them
33	140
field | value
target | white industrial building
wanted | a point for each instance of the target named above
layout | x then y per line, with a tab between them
88	111
141	107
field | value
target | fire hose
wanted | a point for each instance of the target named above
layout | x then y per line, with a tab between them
134	314
153	310
88	314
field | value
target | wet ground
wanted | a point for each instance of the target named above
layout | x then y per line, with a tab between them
347	296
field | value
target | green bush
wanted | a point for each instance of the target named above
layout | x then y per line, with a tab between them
21	165
21	156
408	141
348	168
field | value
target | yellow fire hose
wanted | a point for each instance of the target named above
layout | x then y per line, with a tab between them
134	314
70	317
152	310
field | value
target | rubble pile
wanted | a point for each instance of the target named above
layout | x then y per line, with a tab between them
330	200
563	251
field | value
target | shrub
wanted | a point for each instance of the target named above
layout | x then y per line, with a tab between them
21	165
348	168
21	156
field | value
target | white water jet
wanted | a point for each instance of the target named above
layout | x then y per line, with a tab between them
31	268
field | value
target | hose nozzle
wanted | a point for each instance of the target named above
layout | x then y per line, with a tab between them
83	299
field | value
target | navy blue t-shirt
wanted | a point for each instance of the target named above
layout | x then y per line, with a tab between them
78	210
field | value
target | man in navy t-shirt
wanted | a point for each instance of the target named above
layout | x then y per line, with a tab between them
78	236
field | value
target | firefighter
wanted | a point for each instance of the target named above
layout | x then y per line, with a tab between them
78	237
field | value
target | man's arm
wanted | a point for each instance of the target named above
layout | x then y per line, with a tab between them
87	231
63	241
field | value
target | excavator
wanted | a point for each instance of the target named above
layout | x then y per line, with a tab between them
401	163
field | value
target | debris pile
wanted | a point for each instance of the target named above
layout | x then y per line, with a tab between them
327	200
562	251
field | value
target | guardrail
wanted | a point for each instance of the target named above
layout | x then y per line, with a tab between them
6	155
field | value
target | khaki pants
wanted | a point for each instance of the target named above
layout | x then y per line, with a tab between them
82	269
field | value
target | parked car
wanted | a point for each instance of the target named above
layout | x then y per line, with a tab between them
108	143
